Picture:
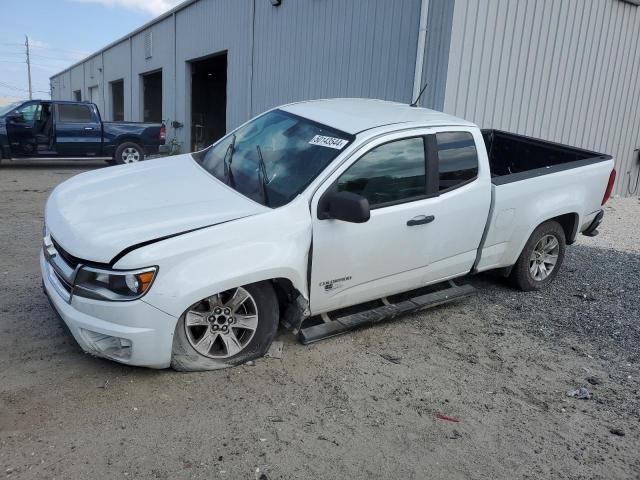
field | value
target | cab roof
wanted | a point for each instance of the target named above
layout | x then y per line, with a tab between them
354	115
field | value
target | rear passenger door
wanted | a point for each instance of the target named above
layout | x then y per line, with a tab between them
461	204
78	131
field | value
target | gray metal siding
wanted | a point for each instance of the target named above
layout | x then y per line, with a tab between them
436	61
77	80
563	70
334	48
205	28
93	78
162	59
117	66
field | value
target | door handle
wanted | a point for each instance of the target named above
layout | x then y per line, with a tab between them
88	128
420	220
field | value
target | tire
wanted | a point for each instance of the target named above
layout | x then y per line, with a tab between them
199	330
527	274
128	152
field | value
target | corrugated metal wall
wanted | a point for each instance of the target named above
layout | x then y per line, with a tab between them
205	28
117	66
303	49
334	48
563	70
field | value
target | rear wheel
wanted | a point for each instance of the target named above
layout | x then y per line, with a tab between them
541	257
128	152
226	329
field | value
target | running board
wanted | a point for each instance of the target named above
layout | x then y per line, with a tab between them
388	311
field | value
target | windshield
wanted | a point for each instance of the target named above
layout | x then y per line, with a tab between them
7	108
274	157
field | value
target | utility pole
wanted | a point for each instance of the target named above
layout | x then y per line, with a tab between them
28	66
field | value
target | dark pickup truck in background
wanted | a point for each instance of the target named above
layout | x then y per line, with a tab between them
52	128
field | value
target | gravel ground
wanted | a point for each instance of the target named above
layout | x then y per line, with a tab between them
364	405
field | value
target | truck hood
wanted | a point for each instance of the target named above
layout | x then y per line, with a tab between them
96	215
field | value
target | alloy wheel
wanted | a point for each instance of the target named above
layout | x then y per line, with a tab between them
544	257
222	325
130	155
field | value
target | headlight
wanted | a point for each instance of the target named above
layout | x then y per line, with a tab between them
113	285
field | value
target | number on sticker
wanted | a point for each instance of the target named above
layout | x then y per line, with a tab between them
330	142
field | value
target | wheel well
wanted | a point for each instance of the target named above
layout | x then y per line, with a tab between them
569	223
285	291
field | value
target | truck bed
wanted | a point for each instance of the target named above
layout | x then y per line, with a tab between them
515	157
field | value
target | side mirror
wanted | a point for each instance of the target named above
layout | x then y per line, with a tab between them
13	117
345	206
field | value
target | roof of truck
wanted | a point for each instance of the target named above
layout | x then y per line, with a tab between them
354	115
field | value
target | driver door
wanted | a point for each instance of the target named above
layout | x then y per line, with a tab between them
357	262
429	198
20	129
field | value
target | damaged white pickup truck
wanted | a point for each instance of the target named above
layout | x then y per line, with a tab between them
324	216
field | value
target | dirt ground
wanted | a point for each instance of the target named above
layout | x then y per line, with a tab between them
500	363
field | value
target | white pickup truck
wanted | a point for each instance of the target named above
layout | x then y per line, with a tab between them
323	216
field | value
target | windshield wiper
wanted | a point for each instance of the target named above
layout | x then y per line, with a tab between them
262	176
228	174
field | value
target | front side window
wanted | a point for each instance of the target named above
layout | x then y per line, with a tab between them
457	159
28	113
392	172
70	113
274	157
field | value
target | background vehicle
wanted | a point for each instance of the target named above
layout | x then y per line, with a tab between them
46	128
324	215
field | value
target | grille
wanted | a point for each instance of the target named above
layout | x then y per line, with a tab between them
72	261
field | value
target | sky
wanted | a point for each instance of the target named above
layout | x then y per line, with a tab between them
61	32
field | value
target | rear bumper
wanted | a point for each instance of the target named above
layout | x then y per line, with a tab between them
134	333
592	229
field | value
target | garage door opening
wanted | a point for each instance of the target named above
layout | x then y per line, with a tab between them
208	100
152	97
117	101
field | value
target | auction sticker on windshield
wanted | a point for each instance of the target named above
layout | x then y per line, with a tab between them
331	142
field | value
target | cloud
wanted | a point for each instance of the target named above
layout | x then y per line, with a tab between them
37	43
154	7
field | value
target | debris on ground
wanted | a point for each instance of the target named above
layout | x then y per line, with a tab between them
447	418
391	358
276	350
617	431
579	393
594	380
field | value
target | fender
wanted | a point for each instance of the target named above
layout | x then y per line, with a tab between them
198	264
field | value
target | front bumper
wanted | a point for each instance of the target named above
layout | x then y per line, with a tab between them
145	332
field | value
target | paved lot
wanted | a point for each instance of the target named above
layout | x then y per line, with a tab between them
500	362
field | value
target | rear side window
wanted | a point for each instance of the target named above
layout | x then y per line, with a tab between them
457	159
69	113
392	172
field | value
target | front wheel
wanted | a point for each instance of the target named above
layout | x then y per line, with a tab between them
128	152
541	257
226	329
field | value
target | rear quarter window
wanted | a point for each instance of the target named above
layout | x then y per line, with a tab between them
457	159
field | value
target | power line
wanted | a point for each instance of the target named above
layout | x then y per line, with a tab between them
13	87
59	59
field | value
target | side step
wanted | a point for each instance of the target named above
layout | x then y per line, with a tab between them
342	324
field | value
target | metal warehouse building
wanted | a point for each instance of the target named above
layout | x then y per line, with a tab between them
563	70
